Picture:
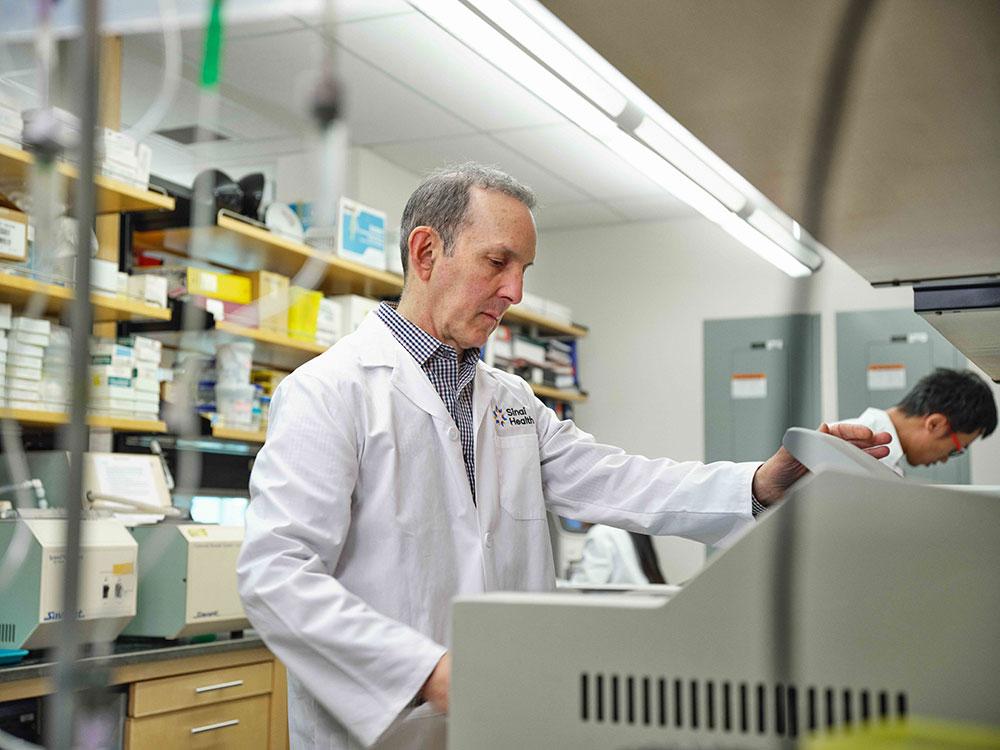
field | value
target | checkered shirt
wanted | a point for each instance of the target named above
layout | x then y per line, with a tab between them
451	378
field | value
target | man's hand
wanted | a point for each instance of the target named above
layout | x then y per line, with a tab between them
781	470
435	690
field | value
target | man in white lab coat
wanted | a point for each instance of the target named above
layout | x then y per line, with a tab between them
937	420
399	472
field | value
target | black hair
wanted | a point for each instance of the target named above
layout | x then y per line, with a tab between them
963	397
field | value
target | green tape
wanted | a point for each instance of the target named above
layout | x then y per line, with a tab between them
211	67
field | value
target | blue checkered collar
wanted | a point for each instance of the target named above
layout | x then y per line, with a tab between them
421	345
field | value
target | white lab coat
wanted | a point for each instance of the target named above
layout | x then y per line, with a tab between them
878	420
609	556
361	527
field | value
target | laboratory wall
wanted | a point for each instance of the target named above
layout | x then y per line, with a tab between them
646	288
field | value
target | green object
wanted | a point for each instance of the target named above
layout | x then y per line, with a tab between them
211	67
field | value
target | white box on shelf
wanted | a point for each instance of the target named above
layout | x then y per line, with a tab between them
122	286
104	275
354	309
31	344
24	360
558	312
31	325
28	373
148	288
361	234
5	315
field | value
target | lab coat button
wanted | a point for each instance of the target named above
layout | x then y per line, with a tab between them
453	433
488	539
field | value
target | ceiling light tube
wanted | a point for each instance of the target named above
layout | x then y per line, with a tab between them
785	237
481	37
765	247
681	157
551	51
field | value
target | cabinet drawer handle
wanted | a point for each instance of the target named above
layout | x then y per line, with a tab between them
220	686
211	727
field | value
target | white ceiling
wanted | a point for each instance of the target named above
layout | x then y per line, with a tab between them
413	94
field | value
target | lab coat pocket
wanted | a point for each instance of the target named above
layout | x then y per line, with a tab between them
520	477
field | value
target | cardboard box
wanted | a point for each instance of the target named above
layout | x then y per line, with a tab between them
31	325
104	275
13	234
361	234
270	292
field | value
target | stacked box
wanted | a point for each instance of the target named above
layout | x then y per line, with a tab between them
56	368
146	376
148	288
122	157
111	390
26	343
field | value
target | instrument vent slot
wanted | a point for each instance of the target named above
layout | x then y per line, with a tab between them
729	707
7	632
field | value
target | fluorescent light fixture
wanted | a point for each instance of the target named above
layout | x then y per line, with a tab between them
764	246
694	167
551	51
563	71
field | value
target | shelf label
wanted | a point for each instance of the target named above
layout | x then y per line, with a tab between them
746	385
887	376
13	239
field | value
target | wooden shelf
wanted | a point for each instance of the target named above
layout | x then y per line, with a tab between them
113	196
58	299
56	418
270	337
546	326
241	245
247	436
544	391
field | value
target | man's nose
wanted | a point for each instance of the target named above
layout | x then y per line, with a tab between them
513	287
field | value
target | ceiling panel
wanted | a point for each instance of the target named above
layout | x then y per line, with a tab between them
423	156
580	159
419	53
348	11
570	215
377	108
652	208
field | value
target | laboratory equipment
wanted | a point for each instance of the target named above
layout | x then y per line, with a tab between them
187	580
31	600
862	598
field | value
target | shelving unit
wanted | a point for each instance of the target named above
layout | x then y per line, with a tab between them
33	418
240	244
113	196
18	290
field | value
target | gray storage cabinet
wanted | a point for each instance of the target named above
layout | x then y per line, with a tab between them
761	376
881	354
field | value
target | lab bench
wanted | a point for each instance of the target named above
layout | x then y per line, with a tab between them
226	693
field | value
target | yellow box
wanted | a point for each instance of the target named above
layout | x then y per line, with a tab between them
227	287
303	312
270	292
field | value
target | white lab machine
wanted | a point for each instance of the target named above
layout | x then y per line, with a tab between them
863	597
187	580
31	593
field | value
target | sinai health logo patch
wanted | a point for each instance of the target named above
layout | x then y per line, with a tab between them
512	419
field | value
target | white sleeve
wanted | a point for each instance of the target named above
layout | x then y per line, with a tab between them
588	481
362	667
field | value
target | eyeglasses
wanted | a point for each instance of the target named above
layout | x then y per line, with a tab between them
959	449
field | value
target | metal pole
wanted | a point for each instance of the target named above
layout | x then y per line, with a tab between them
61	729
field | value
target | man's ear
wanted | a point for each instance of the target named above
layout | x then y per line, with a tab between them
424	244
937	424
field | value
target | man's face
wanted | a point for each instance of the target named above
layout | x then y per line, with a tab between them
473	287
936	441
